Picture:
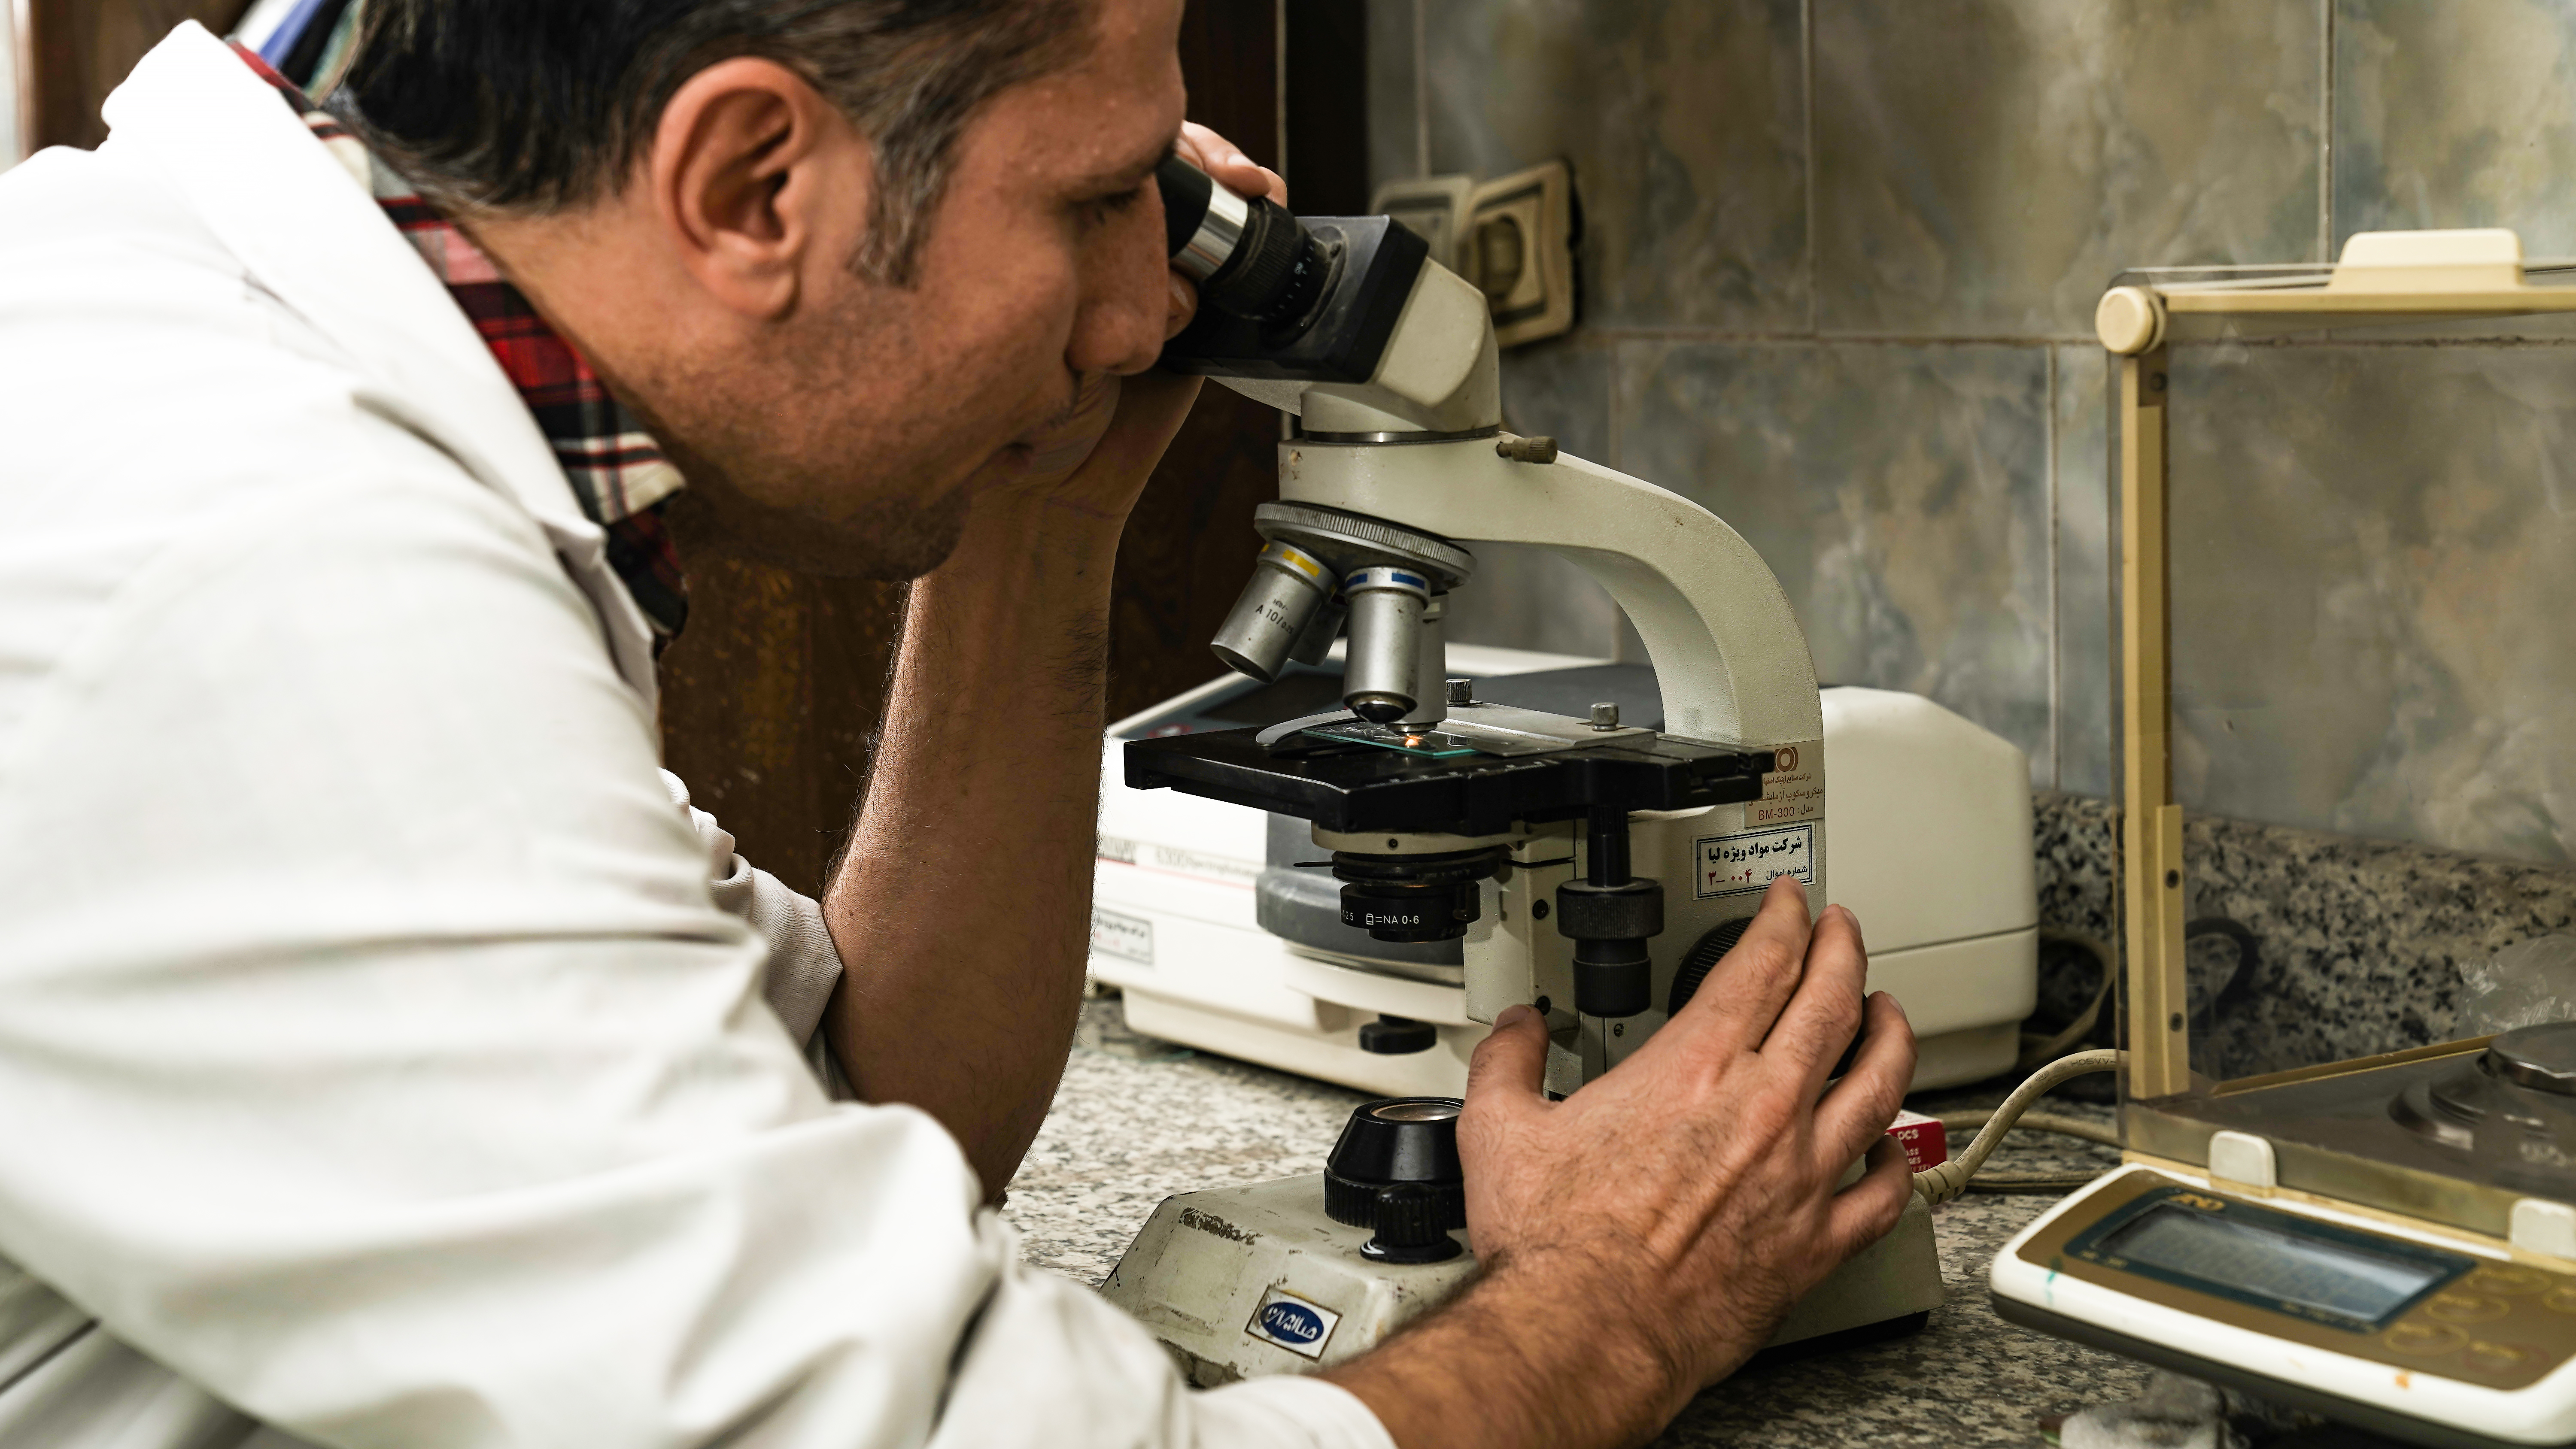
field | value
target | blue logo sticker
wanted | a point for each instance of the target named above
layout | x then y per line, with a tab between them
1283	1319
1292	1323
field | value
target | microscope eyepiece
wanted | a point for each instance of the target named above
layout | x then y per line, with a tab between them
1249	256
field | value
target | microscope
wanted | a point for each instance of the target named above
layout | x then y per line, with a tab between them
1592	870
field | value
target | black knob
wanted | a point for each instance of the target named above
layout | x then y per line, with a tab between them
1398	1036
1613	974
1412	1226
1406	1143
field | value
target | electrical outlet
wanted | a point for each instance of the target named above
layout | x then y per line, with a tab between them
1521	229
1512	236
1434	208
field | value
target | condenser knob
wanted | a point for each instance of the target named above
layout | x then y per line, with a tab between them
1398	1036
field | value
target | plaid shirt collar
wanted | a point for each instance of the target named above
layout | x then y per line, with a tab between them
617	471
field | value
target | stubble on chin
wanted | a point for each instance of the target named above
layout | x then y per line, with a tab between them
893	538
900	529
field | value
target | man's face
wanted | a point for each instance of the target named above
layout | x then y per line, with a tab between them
857	430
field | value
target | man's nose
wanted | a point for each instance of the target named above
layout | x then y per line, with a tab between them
1121	326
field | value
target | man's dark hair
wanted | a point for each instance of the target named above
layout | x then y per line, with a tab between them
533	106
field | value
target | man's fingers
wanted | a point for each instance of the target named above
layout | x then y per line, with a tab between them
1183	306
1825	1011
1511	1062
1864	1212
1858	1108
1750	986
1225	161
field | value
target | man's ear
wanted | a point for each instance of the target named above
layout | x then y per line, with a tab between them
752	172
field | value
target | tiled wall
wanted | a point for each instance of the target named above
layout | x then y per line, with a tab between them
1839	271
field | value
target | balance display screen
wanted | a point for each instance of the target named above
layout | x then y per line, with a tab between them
2253	1258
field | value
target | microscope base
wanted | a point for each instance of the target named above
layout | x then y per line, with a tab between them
1243	1281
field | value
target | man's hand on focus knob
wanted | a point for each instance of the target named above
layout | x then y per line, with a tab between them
1643	1237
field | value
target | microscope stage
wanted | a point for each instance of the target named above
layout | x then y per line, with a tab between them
1353	786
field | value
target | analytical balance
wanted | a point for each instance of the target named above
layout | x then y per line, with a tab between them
2387	1239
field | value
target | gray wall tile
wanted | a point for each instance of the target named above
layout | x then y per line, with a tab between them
2456	115
1984	167
1393	114
2374	570
2080	447
1561	387
1900	493
1530	597
1685	122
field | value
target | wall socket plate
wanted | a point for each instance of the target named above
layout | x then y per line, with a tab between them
1512	236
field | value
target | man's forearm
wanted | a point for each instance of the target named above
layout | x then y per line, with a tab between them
962	906
1474	1375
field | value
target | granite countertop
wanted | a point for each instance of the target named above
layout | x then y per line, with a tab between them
1137	1121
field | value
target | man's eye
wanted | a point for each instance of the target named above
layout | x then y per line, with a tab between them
1101	208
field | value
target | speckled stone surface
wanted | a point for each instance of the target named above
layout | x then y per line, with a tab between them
2077	838
1133	1124
2362	944
2359	946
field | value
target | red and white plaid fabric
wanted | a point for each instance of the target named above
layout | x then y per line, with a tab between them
617	471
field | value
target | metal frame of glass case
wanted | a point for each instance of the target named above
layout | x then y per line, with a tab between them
2168	1113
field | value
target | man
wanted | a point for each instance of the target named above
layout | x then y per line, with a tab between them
386	1059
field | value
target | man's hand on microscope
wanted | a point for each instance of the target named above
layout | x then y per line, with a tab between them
1641	1238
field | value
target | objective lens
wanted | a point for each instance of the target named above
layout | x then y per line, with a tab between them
1383	666
1317	640
1250	257
1273	615
1431	678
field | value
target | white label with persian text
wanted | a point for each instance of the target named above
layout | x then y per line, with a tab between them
1732	864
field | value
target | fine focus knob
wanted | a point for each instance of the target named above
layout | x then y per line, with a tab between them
1409	1144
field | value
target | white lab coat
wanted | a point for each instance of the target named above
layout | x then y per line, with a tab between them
378	1062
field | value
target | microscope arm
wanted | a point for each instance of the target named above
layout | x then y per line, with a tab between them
1731	658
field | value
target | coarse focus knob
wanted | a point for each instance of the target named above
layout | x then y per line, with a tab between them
1402	1142
1703	959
